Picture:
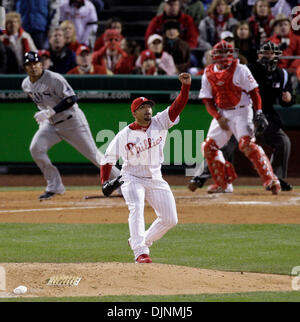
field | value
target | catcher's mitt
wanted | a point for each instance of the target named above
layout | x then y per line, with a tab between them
111	185
260	123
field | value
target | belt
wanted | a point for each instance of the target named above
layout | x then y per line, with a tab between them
234	108
69	117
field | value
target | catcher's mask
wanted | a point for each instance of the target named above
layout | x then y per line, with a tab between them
269	56
223	54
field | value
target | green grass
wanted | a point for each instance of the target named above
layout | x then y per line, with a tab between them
255	248
235	297
252	248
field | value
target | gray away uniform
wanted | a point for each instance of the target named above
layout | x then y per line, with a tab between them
69	125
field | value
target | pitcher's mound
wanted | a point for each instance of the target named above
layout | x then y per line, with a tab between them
98	279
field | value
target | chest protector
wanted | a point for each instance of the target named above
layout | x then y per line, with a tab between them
225	93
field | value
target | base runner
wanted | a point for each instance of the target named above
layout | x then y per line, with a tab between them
140	145
59	118
227	90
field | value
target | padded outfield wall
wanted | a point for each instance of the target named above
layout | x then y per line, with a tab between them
105	101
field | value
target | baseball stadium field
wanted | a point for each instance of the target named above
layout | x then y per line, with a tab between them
226	247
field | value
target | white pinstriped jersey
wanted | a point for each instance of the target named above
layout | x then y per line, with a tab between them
242	78
141	152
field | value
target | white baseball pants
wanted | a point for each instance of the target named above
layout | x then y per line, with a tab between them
158	194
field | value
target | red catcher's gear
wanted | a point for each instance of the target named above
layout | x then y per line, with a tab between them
226	94
223	54
222	173
259	160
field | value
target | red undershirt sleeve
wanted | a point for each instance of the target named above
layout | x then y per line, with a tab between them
105	172
256	99
180	102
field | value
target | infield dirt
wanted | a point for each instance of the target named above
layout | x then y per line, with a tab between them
250	205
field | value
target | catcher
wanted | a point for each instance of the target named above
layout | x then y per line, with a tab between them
226	87
141	147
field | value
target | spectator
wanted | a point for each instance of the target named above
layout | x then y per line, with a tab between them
219	19
132	48
99	6
8	59
84	16
175	46
84	63
163	59
193	8
288	41
113	23
45	58
62	57
260	22
148	65
111	56
280	6
188	29
245	42
3	55
228	36
206	60
38	16
241	9
70	35
17	38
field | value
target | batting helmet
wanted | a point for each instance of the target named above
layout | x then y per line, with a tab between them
31	56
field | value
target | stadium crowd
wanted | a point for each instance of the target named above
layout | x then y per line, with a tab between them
178	39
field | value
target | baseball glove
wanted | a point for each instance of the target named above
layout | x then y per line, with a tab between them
111	185
260	123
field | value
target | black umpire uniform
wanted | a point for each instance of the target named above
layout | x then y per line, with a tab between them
273	82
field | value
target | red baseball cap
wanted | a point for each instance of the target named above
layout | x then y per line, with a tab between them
81	49
140	101
147	54
44	52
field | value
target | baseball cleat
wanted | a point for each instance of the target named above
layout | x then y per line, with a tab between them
274	186
46	195
285	186
196	182
143	259
214	188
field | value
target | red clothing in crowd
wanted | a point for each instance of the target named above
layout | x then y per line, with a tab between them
188	29
293	49
99	43
255	24
95	69
74	46
121	65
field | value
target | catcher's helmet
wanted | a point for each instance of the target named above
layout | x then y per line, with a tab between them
223	53
31	56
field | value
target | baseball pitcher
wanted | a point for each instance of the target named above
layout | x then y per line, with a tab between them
59	118
140	145
227	90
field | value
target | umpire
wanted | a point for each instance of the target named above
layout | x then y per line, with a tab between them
275	87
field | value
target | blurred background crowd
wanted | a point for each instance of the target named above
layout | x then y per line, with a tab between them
144	37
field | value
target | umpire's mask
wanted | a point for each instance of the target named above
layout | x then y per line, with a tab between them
268	56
